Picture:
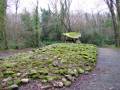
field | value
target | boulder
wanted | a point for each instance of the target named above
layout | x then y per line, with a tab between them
14	87
58	84
25	80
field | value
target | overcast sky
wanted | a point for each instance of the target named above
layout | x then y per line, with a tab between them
83	5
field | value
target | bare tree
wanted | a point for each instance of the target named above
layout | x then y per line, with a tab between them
54	5
110	4
65	14
16	6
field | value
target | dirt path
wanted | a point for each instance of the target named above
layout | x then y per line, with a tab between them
106	76
12	52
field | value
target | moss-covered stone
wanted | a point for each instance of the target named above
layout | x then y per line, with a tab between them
73	72
80	70
51	63
8	73
66	82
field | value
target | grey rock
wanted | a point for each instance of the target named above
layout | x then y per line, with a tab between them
70	78
25	80
57	63
58	84
66	82
18	74
14	87
7	79
45	87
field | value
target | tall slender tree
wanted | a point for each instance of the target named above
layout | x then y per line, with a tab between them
110	4
118	14
65	14
16	3
36	21
3	6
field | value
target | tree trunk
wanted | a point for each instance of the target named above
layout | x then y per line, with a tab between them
65	14
116	29
118	8
110	4
3	6
118	13
37	36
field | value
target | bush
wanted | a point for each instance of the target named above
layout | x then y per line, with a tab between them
97	39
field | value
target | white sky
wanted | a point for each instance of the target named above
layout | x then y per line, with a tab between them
83	5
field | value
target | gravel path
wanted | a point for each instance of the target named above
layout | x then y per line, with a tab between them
106	75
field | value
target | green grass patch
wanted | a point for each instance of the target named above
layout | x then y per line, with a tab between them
51	63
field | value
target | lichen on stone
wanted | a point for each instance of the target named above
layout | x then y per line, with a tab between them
48	64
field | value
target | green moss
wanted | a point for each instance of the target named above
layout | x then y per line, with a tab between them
33	74
66	82
18	81
73	72
72	35
51	78
88	68
44	81
60	71
8	73
9	65
43	71
10	83
50	63
80	70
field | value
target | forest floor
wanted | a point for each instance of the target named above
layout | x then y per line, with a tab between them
106	75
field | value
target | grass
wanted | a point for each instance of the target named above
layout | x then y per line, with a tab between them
48	64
